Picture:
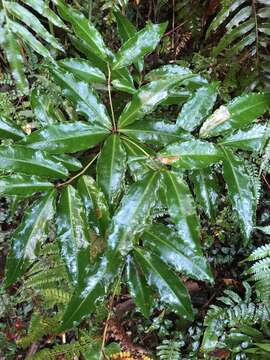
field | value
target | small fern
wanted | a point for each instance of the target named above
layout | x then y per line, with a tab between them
265	164
260	271
69	351
50	287
246	28
233	327
38	328
256	181
170	349
56	275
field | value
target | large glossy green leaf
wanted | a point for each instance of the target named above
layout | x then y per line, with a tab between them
139	45
71	163
169	72
95	205
123	81
43	108
32	230
250	140
239	113
43	9
83	70
139	290
177	96
84	30
197	108
66	138
182	210
132	214
15	59
111	167
240	191
32	21
125	28
85	295
27	36
156	132
121	78
193	154
23	185
207	191
83	96
171	289
168	245
86	50
73	234
22	159
10	130
126	31
146	99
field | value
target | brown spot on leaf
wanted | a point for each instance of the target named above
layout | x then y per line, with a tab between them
167	160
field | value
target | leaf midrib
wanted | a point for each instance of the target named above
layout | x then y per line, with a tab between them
137	207
175	249
42	165
34	227
86	134
155	270
247	108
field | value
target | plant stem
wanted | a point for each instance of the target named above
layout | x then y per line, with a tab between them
143	151
139	147
90	9
79	174
173	22
102	352
110	96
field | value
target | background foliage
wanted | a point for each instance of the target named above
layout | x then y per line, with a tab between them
135	172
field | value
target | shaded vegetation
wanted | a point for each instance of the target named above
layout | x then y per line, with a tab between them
134	185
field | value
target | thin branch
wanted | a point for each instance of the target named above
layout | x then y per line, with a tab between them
79	174
110	96
173	22
265	180
139	147
102	352
174	29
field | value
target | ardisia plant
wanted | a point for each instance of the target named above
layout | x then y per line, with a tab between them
128	214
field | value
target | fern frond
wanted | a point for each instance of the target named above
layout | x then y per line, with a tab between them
255	178
49	279
246	34
260	271
170	349
55	296
69	351
265	164
260	253
237	314
261	265
38	328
